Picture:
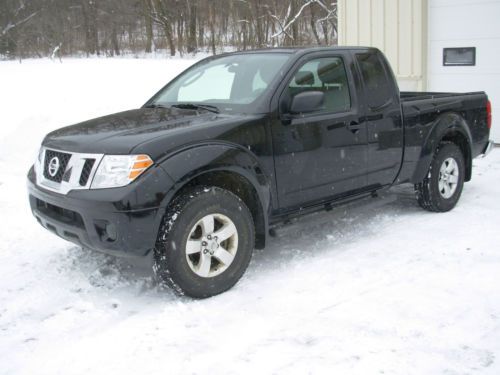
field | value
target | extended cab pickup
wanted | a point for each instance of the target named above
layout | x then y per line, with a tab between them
242	141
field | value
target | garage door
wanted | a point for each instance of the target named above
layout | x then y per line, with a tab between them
463	25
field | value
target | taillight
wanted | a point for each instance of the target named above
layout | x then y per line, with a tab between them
488	114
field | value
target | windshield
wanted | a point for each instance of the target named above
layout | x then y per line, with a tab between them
231	83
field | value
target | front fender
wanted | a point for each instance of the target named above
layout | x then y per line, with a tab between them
447	124
191	162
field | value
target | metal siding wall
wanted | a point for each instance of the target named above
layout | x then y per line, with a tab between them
391	32
405	45
364	18
378	28
466	23
397	27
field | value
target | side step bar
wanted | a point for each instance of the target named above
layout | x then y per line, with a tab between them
372	201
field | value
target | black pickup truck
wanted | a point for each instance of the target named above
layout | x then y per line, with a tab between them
240	142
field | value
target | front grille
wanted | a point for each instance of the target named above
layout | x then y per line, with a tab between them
87	168
55	162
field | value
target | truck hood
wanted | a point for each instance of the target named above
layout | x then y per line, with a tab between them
121	132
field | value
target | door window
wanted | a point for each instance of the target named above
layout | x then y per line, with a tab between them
325	74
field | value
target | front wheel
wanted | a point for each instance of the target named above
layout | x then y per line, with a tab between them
442	187
205	242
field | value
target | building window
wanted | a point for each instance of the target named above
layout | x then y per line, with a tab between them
464	56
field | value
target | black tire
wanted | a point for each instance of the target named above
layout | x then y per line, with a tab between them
428	193
186	210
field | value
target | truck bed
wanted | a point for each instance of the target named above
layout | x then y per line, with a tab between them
421	110
408	96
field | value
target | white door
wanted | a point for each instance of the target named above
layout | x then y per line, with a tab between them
466	23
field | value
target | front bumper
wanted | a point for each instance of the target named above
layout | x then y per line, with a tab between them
122	221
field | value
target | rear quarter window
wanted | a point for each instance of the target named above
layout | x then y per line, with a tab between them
376	82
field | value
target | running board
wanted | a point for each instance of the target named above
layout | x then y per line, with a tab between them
323	214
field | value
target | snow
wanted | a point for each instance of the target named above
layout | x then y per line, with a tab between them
386	289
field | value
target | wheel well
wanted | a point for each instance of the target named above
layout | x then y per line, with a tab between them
241	187
461	141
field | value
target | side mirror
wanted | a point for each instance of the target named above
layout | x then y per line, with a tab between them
307	101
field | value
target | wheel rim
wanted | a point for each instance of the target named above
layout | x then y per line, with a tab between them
212	245
448	178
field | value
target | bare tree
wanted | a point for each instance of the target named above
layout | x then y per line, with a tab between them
148	24
56	28
162	16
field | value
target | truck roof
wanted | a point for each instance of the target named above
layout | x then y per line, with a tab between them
298	50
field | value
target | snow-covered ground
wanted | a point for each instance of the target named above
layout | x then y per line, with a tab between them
380	290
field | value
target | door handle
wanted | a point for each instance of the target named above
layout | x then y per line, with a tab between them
354	126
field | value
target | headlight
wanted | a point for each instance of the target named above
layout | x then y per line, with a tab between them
38	161
40	154
119	170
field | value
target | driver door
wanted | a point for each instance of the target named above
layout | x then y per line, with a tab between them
322	154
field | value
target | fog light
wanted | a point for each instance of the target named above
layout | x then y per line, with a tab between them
105	230
111	232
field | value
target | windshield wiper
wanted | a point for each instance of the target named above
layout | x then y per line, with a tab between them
206	107
155	105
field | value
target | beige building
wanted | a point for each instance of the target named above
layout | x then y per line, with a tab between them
433	45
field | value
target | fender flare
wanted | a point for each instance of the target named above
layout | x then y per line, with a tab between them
193	161
446	125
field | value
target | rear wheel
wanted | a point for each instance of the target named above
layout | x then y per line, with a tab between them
442	187
205	242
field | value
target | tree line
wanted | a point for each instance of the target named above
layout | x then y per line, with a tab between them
55	28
